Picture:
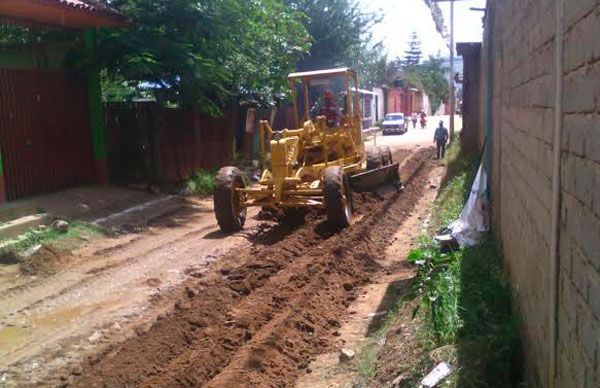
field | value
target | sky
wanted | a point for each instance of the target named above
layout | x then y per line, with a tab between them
401	17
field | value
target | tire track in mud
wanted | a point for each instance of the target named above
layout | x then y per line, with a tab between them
262	315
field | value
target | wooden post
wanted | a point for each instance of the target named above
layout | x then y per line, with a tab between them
2	184
96	110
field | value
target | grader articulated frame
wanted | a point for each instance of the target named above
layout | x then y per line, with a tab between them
318	164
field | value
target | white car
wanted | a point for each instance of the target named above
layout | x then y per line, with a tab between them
394	124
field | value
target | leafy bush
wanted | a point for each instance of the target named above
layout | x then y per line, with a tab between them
467	304
202	182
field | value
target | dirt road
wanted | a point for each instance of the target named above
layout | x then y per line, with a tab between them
104	291
260	315
181	304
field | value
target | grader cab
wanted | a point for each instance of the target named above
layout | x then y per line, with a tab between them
317	164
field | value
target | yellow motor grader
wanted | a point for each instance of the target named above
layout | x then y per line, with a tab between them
318	164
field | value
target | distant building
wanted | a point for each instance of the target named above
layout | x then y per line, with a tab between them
368	107
52	132
403	98
379	103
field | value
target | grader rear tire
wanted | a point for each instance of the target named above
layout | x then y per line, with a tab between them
230	215
294	211
338	197
374	158
386	155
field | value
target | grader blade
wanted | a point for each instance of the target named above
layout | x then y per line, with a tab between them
379	180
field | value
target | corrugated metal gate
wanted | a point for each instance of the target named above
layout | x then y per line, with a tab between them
149	144
131	131
45	132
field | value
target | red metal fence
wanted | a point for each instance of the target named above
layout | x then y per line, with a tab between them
284	118
148	143
188	140
45	133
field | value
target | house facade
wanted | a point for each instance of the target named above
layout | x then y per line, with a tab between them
52	132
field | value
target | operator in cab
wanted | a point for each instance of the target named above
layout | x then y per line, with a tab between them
330	110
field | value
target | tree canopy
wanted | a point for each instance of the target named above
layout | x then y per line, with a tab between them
206	53
412	56
340	37
219	50
214	53
432	76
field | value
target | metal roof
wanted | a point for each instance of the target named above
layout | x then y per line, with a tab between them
321	73
363	91
66	13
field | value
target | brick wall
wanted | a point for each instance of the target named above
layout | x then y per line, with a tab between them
579	292
523	71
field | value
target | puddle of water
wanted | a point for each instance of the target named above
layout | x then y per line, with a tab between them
69	314
59	317
12	334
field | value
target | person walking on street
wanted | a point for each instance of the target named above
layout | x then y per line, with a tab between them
440	139
414	118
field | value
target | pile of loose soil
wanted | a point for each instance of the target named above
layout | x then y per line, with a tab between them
44	260
262	314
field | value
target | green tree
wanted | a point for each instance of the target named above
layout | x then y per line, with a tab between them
208	53
371	64
340	37
116	89
431	76
437	17
412	56
339	30
13	35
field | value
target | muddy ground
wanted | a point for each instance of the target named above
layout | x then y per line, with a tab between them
261	314
177	303
101	292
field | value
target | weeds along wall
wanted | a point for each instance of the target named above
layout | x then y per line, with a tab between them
524	70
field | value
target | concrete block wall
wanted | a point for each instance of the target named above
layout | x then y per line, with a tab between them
579	286
524	79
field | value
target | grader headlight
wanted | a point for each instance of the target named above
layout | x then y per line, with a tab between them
277	136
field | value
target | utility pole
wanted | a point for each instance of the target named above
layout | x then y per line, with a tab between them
452	84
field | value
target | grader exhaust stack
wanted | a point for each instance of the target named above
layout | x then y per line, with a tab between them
317	164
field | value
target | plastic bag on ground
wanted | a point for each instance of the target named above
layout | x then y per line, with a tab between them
474	220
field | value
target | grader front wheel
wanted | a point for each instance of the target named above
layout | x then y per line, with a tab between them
230	213
338	197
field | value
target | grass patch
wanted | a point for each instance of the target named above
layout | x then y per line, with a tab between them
463	312
397	294
366	361
466	312
455	189
202	182
49	235
467	307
